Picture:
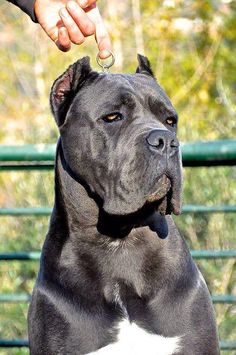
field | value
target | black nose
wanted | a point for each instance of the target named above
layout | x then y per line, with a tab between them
162	140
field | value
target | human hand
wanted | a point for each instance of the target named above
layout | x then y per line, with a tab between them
67	22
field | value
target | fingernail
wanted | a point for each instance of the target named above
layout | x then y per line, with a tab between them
103	54
71	5
63	12
83	3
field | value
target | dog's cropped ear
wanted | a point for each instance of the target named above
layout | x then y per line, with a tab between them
144	66
66	86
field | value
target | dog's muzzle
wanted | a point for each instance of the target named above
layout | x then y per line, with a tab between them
163	142
165	146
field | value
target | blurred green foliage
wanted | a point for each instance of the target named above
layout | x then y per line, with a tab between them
191	46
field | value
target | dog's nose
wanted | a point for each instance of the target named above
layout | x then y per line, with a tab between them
161	140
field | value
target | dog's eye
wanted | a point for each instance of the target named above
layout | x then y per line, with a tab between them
113	117
171	121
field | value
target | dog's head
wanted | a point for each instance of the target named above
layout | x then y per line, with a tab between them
118	134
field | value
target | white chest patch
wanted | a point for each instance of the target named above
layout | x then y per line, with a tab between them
133	340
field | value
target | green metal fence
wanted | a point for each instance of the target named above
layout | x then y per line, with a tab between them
41	157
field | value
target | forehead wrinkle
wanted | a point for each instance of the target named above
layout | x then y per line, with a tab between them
111	91
156	105
128	99
117	101
120	91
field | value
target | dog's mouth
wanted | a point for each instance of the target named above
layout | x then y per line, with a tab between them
164	186
164	197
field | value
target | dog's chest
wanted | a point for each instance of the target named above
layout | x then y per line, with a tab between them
122	267
133	340
126	264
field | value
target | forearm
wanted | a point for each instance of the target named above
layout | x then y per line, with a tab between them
27	6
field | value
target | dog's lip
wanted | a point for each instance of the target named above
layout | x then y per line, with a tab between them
163	186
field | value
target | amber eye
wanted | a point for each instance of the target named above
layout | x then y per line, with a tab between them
171	121
113	117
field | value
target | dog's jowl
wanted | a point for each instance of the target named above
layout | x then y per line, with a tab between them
115	276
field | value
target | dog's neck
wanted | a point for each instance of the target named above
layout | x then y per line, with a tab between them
83	209
72	196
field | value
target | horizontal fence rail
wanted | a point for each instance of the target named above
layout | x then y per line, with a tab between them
16	343
210	153
41	156
46	211
28	153
212	254
27	211
23	343
21	256
228	345
196	254
24	297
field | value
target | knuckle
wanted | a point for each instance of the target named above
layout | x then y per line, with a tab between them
103	37
74	30
75	36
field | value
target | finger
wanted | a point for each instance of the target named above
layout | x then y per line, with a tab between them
74	32
53	31
63	42
86	3
101	34
85	25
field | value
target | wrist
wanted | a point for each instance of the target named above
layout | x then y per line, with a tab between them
28	7
36	9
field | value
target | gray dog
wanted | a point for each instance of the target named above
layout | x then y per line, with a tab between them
116	277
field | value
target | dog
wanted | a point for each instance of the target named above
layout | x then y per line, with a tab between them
115	275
